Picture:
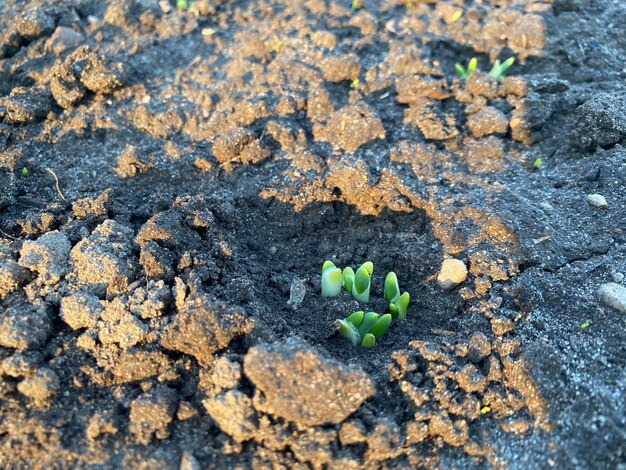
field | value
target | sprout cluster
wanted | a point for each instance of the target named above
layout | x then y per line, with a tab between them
363	328
497	70
465	73
359	327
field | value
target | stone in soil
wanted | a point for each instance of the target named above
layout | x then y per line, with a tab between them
613	295
48	256
597	200
300	385
453	272
64	38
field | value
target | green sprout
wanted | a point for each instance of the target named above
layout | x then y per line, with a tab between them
538	162
182	4
331	280
362	282
355	83
399	308
24	171
465	73
348	279
355	4
398	304
584	326
499	69
485	410
363	328
456	16
392	290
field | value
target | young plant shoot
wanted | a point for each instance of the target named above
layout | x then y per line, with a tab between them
399	308
363	328
362	282
499	69
331	280
465	73
392	289
398	304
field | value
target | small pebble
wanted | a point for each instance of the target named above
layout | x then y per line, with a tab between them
453	272
613	295
597	200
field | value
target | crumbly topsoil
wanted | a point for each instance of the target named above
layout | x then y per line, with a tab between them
172	181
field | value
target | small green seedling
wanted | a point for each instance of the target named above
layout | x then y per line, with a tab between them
485	410
456	16
363	328
399	308
398	304
465	73
499	69
355	4
182	4
392	289
358	284
584	326
362	282
537	164
355	83
331	280
25	171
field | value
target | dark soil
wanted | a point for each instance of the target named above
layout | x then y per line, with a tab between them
171	182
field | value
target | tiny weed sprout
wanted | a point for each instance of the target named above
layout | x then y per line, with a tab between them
355	83
24	171
584	326
538	163
331	280
399	308
456	16
355	4
465	73
499	68
182	4
363	328
485	410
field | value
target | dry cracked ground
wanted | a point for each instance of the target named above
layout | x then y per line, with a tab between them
172	179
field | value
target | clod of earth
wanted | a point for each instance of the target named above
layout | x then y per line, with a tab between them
296	383
201	328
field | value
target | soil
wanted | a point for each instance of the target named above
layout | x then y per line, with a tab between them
171	182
